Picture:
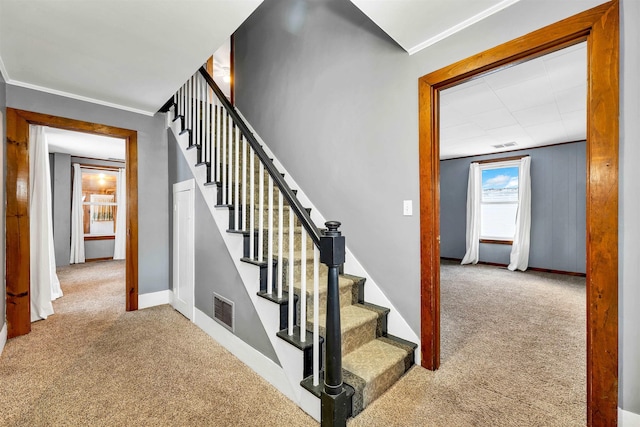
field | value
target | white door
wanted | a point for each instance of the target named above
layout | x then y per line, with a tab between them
183	247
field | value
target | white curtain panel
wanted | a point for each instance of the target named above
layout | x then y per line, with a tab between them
77	218
44	283
474	192
119	250
520	250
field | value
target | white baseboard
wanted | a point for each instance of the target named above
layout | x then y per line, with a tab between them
154	298
248	355
3	337
628	419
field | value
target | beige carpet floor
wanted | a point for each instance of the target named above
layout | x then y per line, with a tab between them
512	355
91	363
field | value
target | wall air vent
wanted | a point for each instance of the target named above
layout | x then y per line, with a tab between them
223	311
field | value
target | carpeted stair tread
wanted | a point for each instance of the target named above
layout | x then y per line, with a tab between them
379	364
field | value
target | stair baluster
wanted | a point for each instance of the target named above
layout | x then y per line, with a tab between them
270	239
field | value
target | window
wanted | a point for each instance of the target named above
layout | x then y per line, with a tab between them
499	200
99	201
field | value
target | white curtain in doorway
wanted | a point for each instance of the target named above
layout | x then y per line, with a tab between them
44	283
474	193
520	250
77	218
119	250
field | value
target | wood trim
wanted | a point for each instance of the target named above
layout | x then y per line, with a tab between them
17	226
92	238
599	27
502	159
17	216
108	258
496	242
542	270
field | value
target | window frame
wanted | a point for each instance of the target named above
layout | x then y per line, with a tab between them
499	163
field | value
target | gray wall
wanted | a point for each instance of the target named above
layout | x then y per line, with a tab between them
214	268
60	164
558	210
346	128
3	104
153	248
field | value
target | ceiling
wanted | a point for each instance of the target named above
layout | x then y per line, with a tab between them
130	54
536	103
85	144
404	21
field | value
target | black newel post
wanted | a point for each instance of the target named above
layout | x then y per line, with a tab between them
334	398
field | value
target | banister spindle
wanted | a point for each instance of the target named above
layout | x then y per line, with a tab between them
229	128
218	125
280	242
303	285
223	142
290	267
236	182
270	238
196	102
244	185
333	397
261	213
252	205
191	112
316	309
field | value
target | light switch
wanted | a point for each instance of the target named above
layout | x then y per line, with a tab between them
407	208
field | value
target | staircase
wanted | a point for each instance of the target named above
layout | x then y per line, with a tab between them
322	311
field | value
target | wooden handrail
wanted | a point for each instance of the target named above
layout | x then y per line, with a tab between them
284	188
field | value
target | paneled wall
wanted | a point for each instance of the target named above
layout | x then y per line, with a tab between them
558	210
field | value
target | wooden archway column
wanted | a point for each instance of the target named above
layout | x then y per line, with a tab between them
599	27
17	210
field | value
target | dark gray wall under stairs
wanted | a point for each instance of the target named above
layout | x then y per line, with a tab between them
214	268
558	208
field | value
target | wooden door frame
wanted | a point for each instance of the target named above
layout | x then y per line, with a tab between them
599	27
17	210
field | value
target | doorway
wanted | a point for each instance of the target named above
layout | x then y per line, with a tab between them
183	247
599	27
17	212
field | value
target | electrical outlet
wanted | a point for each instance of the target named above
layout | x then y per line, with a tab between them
407	208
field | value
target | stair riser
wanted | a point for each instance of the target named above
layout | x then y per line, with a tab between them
353	338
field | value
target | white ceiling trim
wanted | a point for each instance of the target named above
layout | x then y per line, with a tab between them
77	97
461	26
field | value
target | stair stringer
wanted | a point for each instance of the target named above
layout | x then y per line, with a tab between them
396	324
290	358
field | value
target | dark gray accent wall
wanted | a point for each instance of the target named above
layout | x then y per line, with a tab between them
214	268
558	209
336	100
3	135
153	241
60	164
